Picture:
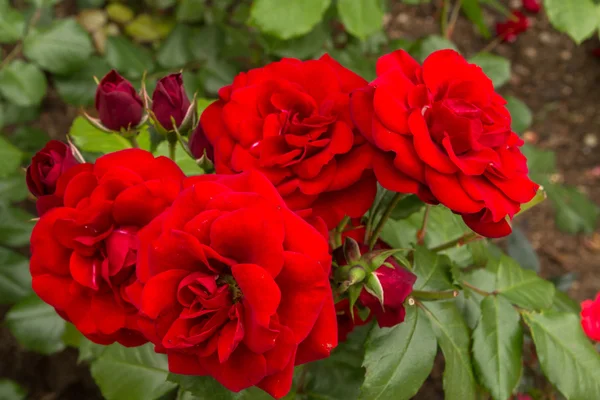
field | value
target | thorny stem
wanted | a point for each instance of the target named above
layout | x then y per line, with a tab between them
492	45
372	213
390	208
476	289
423	230
443	295
336	234
444	18
460	241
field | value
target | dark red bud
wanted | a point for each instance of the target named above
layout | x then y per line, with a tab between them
170	100
47	165
198	144
533	6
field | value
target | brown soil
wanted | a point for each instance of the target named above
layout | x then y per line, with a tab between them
552	75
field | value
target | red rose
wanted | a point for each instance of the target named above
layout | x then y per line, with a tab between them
84	252
444	134
199	144
47	165
234	285
170	100
533	6
118	104
512	27
291	121
590	318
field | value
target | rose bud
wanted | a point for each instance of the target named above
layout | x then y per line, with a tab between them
199	144
533	6
513	27
169	100
119	106
590	318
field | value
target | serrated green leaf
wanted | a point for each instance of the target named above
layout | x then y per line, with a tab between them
72	337
217	74
185	162
520	286
13	188
36	325
353	58
89	351
174	51
540	162
432	270
15	279
454	340
128	58
12	23
497	347
577	18
29	139
407	207
10	390
22	83
520	114
562	302
79	88
399	359
361	18
205	43
430	44
62	48
287	19
207	388
15	226
302	47
566	355
472	10
520	249
11	114
10	158
574	211
89	138
497	68
131	373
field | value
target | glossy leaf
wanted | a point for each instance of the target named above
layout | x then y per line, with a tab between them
287	19
10	390
36	325
566	355
128	58
520	249
454	340
23	83
174	51
399	359
190	11
131	373
89	138
361	18
432	270
574	211
520	114
577	18
473	11
430	44
495	67
10	158
12	23
13	188
497	347
520	286
15	279
15	226
207	388
62	48
302	47
185	162
79	88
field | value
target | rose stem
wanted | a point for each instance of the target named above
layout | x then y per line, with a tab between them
384	218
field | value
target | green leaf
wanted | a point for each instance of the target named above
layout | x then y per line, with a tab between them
472	10
36	325
190	11
454	340
119	13
10	390
79	88
287	19
174	52
185	162
146	28
10	158
407	207
72	337
89	351
12	23
520	114
204	43
519	248
497	347
574	211
217	74
495	67
566	355
29	139
361	18
302	47
432	270
62	48
353	58
520	286
540	162
577	18
11	114
89	138
15	279
399	359
15	226
128	58
22	83
13	188
131	373
430	44
207	388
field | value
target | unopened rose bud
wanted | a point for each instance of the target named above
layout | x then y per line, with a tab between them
119	106
170	103
533	6
199	144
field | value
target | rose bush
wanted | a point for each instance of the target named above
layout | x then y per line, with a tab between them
444	134
290	120
234	285
84	251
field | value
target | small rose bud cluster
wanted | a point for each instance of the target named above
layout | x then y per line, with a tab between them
517	22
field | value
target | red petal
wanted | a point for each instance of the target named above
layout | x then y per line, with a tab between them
323	338
243	369
448	190
160	292
260	291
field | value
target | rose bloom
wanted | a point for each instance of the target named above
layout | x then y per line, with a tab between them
290	120
170	100
444	134
47	165
84	252
234	285
590	318
118	104
510	29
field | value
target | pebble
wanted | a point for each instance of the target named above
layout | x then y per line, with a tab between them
546	38
566	55
530	52
402	18
590	140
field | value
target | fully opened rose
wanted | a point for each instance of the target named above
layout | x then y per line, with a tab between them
84	252
234	285
444	134
290	120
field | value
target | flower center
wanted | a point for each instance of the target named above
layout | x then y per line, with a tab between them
236	292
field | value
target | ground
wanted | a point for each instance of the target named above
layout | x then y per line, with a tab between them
554	77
